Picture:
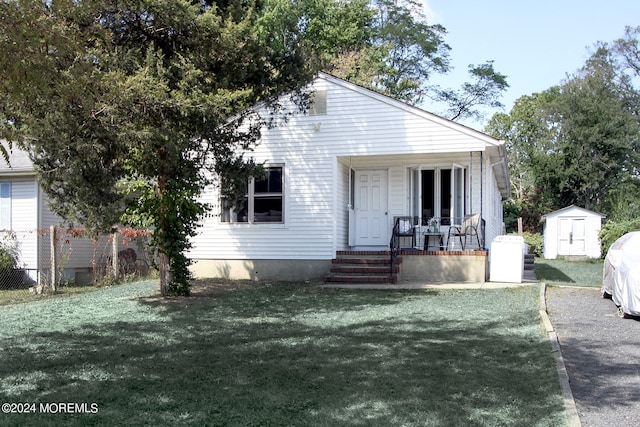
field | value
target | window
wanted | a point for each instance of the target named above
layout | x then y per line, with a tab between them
263	202
318	103
5	206
444	193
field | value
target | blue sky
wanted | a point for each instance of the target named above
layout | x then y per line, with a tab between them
535	43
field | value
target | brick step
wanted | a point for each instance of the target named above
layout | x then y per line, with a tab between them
347	279
529	262
360	269
352	267
363	261
363	253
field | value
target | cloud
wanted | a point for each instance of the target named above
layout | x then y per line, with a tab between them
433	17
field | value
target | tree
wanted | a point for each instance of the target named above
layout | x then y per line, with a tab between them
485	89
529	133
403	54
575	143
149	98
598	135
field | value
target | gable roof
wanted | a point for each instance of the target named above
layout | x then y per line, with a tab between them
494	147
571	208
412	109
19	162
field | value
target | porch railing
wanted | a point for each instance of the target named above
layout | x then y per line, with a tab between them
394	245
450	230
403	227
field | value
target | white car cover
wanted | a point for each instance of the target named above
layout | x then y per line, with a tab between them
621	275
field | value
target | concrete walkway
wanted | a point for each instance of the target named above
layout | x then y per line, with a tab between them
419	285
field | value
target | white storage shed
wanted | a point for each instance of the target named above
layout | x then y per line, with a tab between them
572	232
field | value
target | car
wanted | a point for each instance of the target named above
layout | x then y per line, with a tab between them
621	274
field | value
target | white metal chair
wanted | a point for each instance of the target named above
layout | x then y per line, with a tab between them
471	226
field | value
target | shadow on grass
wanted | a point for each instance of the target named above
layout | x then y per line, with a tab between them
547	273
282	357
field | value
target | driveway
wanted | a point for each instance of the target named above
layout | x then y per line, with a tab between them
601	352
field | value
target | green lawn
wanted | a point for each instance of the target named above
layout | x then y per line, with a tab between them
569	273
294	355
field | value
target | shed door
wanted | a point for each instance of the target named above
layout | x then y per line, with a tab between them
571	237
372	225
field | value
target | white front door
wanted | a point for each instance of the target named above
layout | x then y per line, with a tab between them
372	221
572	240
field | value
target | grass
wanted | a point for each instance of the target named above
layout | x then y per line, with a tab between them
300	355
14	296
562	272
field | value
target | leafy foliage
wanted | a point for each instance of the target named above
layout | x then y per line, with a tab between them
402	54
575	143
484	89
613	230
8	251
535	241
129	107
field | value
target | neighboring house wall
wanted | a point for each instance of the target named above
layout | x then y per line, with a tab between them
30	219
23	214
572	231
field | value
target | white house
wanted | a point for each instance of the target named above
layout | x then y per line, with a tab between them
26	218
340	174
572	232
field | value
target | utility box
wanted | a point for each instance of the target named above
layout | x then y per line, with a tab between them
506	259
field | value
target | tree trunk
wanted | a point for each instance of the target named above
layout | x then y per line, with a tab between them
165	273
163	258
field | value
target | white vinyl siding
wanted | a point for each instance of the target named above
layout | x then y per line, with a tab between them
585	226
24	219
361	129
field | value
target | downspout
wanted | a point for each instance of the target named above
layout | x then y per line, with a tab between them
481	184
349	205
470	207
482	220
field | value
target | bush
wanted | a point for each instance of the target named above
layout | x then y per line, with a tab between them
8	252
534	240
613	230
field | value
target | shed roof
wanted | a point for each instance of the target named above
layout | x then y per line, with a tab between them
568	209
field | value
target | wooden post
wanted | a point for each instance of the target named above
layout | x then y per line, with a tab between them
520	232
114	256
52	242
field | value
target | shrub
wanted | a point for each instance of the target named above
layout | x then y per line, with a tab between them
613	230
534	240
8	252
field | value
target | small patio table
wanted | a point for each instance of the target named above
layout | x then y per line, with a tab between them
436	234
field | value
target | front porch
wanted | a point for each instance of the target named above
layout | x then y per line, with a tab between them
411	265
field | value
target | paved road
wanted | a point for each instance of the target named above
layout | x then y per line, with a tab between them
601	353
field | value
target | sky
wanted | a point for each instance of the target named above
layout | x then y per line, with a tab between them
535	43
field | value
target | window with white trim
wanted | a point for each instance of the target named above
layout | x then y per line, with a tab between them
263	202
5	206
318	105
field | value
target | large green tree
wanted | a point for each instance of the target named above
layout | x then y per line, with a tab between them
143	97
129	107
402	55
575	143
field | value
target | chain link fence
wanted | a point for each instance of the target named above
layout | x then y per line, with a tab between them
37	261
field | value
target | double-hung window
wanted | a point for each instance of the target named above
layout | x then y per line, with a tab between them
263	202
5	206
